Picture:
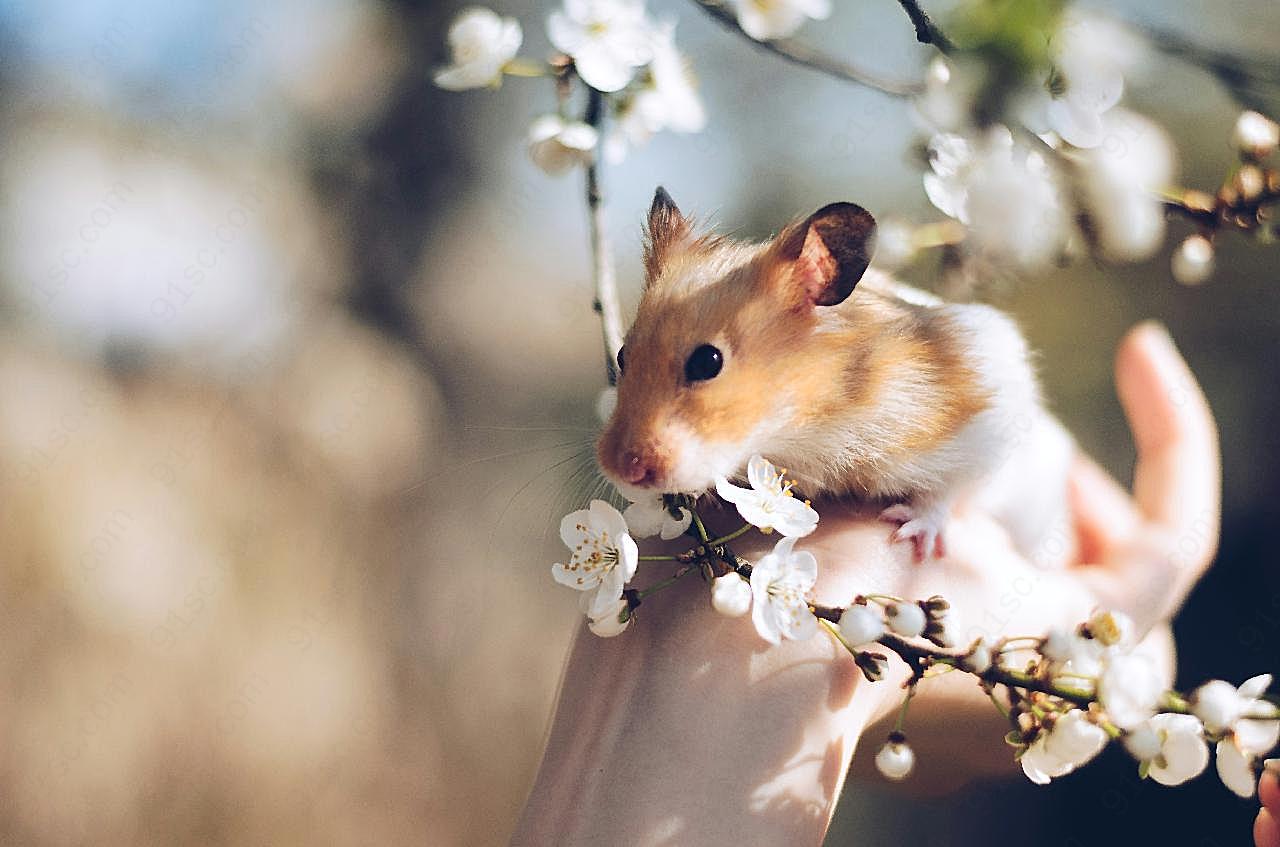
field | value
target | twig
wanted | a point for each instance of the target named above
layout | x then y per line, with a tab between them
1230	209
805	56
606	302
927	31
915	653
1241	76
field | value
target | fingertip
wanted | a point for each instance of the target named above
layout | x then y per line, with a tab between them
1172	425
1266	832
1269	791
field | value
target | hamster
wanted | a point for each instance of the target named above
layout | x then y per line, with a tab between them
858	385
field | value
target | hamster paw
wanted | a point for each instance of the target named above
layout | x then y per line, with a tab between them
923	528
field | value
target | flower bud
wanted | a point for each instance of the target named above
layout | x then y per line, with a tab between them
731	595
872	665
1192	261
1256	136
935	607
1142	742
979	658
906	619
1217	704
613	622
1250	182
1059	645
895	759
860	625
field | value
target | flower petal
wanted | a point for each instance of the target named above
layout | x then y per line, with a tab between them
1235	770
1254	687
573	528
1256	737
628	558
794	517
674	528
762	614
1184	751
645	517
728	491
804	569
761	473
605	518
574	578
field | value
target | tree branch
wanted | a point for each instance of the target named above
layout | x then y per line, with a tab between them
927	31
1231	208
1243	77
805	56
606	303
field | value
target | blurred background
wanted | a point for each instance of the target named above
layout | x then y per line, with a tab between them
298	373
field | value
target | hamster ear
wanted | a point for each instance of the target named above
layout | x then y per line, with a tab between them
822	258
667	230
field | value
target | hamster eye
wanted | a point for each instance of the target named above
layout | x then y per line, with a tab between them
621	365
703	363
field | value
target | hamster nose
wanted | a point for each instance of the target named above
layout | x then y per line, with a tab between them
637	469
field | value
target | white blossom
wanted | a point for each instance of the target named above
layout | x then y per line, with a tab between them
1232	712
480	44
860	625
1074	661
612	621
668	100
1120	179
1004	192
1255	135
1129	688
1222	707
765	20
1091	56
768	503
1072	742
731	595
906	619
1192	261
1172	746
779	583
557	145
603	557
651	516
608	40
895	760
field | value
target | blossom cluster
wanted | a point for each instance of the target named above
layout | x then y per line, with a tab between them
1029	150
1067	694
1049	165
613	47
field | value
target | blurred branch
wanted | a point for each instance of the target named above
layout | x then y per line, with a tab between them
1243	204
927	31
1241	76
805	56
606	302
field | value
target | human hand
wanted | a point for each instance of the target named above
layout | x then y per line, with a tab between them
689	729
1140	554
